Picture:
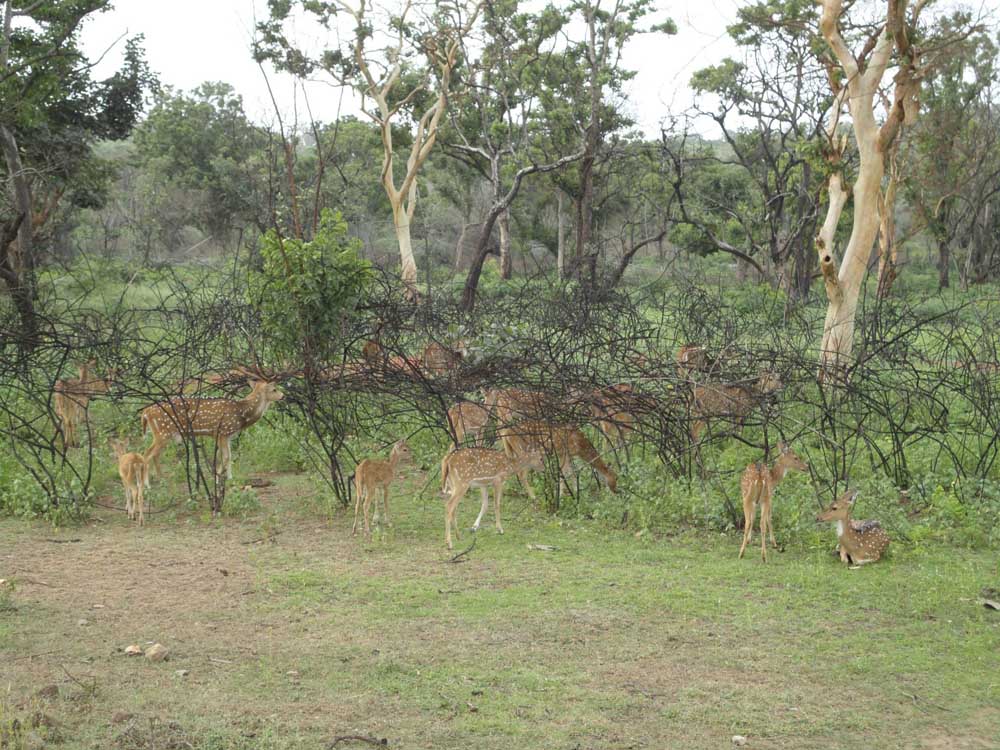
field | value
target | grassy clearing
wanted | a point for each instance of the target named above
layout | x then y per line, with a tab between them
609	642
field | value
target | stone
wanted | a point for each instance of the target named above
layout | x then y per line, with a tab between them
133	650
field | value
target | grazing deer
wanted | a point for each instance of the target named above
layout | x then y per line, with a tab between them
730	402
135	477
562	441
71	400
217	418
467	418
374	473
479	467
757	487
859	542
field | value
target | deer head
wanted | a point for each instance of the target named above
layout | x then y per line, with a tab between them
840	509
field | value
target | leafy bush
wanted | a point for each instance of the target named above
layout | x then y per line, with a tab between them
307	290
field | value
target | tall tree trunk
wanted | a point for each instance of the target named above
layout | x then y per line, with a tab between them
476	269
944	263
503	224
560	236
401	222
18	269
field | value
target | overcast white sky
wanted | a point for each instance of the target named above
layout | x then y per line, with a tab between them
191	41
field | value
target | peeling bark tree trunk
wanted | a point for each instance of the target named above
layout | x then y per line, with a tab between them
859	89
888	250
560	236
503	224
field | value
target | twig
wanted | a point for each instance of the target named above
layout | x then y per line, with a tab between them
358	738
63	541
32	656
269	538
92	688
463	553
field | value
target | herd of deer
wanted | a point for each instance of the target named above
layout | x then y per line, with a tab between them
526	438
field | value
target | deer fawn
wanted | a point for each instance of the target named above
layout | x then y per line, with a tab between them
217	418
373	473
730	402
467	418
135	478
757	487
71	399
561	441
479	467
858	542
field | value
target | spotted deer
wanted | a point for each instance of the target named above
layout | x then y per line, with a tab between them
612	409
693	359
729	402
511	405
372	474
218	418
439	360
135	478
483	468
562	441
757	487
71	400
467	419
859	542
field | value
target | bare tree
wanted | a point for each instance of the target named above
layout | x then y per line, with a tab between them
392	88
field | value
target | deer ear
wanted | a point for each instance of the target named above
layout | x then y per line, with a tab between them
852	497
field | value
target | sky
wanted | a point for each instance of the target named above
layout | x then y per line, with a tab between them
192	41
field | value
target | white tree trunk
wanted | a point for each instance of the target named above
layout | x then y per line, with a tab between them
506	264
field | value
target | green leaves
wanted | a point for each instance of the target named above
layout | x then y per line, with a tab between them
307	291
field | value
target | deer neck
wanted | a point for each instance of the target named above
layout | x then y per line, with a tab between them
253	408
393	463
778	471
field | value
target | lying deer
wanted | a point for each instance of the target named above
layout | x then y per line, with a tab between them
439	360
217	418
562	441
467	419
730	402
372	474
135	477
71	400
859	542
757	487
482	468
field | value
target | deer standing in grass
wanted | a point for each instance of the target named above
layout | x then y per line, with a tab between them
483	468
859	542
757	487
71	399
135	478
730	402
218	418
468	419
372	474
564	442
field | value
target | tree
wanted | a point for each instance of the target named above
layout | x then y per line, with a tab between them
380	64
856	78
492	132
52	113
768	105
956	152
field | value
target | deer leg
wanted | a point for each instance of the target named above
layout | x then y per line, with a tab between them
385	505
497	497
357	504
227	455
770	526
458	490
749	511
366	510
764	524
484	493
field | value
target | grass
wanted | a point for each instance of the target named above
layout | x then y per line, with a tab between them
611	641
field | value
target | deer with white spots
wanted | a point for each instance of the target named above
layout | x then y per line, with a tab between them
729	402
468	419
372	474
562	441
217	418
482	468
757	487
71	399
135	478
859	542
